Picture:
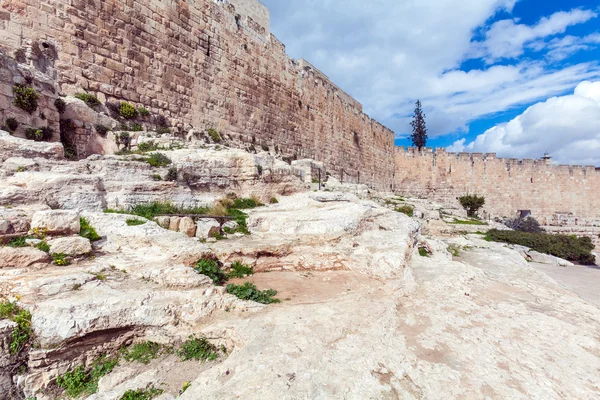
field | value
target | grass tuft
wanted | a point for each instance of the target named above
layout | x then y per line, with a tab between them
142	352
142	394
78	381
195	348
248	291
239	270
135	222
22	333
87	231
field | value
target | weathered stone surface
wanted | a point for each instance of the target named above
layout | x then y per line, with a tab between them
163	222
204	228
174	223
11	146
187	226
21	257
71	246
61	222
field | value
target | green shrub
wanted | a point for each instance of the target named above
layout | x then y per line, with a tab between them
239	270
198	349
423	252
102	130
572	248
18	242
142	394
214	135
147	146
151	210
248	291
172	174
472	203
135	222
158	160
528	224
142	352
79	382
143	111
87	231
212	269
408	210
467	222
22	333
244	204
89	99
26	98
60	259
273	200
43	246
39	134
241	219
136	127
127	111
60	105
11	124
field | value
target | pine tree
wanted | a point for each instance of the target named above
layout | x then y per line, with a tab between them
419	135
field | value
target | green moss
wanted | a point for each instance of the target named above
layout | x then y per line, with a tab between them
248	291
26	98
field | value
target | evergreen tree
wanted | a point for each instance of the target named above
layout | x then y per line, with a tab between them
419	134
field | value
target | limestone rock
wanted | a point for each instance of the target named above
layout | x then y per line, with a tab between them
11	146
548	259
60	222
163	222
21	257
187	226
206	227
71	246
174	224
231	225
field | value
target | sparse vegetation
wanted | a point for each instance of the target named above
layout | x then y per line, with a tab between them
239	270
195	348
406	209
248	291
11	124
211	268
467	222
423	252
454	250
22	333
135	127
142	352
528	224
135	222
172	174
158	160
156	177
273	200
60	259
145	147
214	135
472	204
151	210
60	105
127	111
26	97
102	130
143	111
39	134
87	231
142	394
43	246
572	248
78	381
89	99
18	242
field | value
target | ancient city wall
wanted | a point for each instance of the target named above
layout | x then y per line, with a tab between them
557	195
201	63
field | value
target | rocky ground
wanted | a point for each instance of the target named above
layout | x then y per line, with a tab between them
374	304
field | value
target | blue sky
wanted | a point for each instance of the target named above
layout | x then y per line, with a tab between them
493	75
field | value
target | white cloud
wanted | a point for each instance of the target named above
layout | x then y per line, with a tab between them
568	127
388	53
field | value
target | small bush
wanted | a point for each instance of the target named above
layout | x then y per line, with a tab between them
472	204
212	269
239	270
79	382
214	135
408	210
60	259
142	394
156	177
11	124
102	130
60	105
528	224
142	352
273	200
572	248
22	333
143	111
87	231
135	222
158	160
127	111
248	291
40	134
172	174
147	146
198	349
136	127
243	204
26	98
89	99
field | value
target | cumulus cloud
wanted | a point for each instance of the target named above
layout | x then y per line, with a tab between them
389	53
568	127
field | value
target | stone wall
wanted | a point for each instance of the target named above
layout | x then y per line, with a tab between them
557	195
203	64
